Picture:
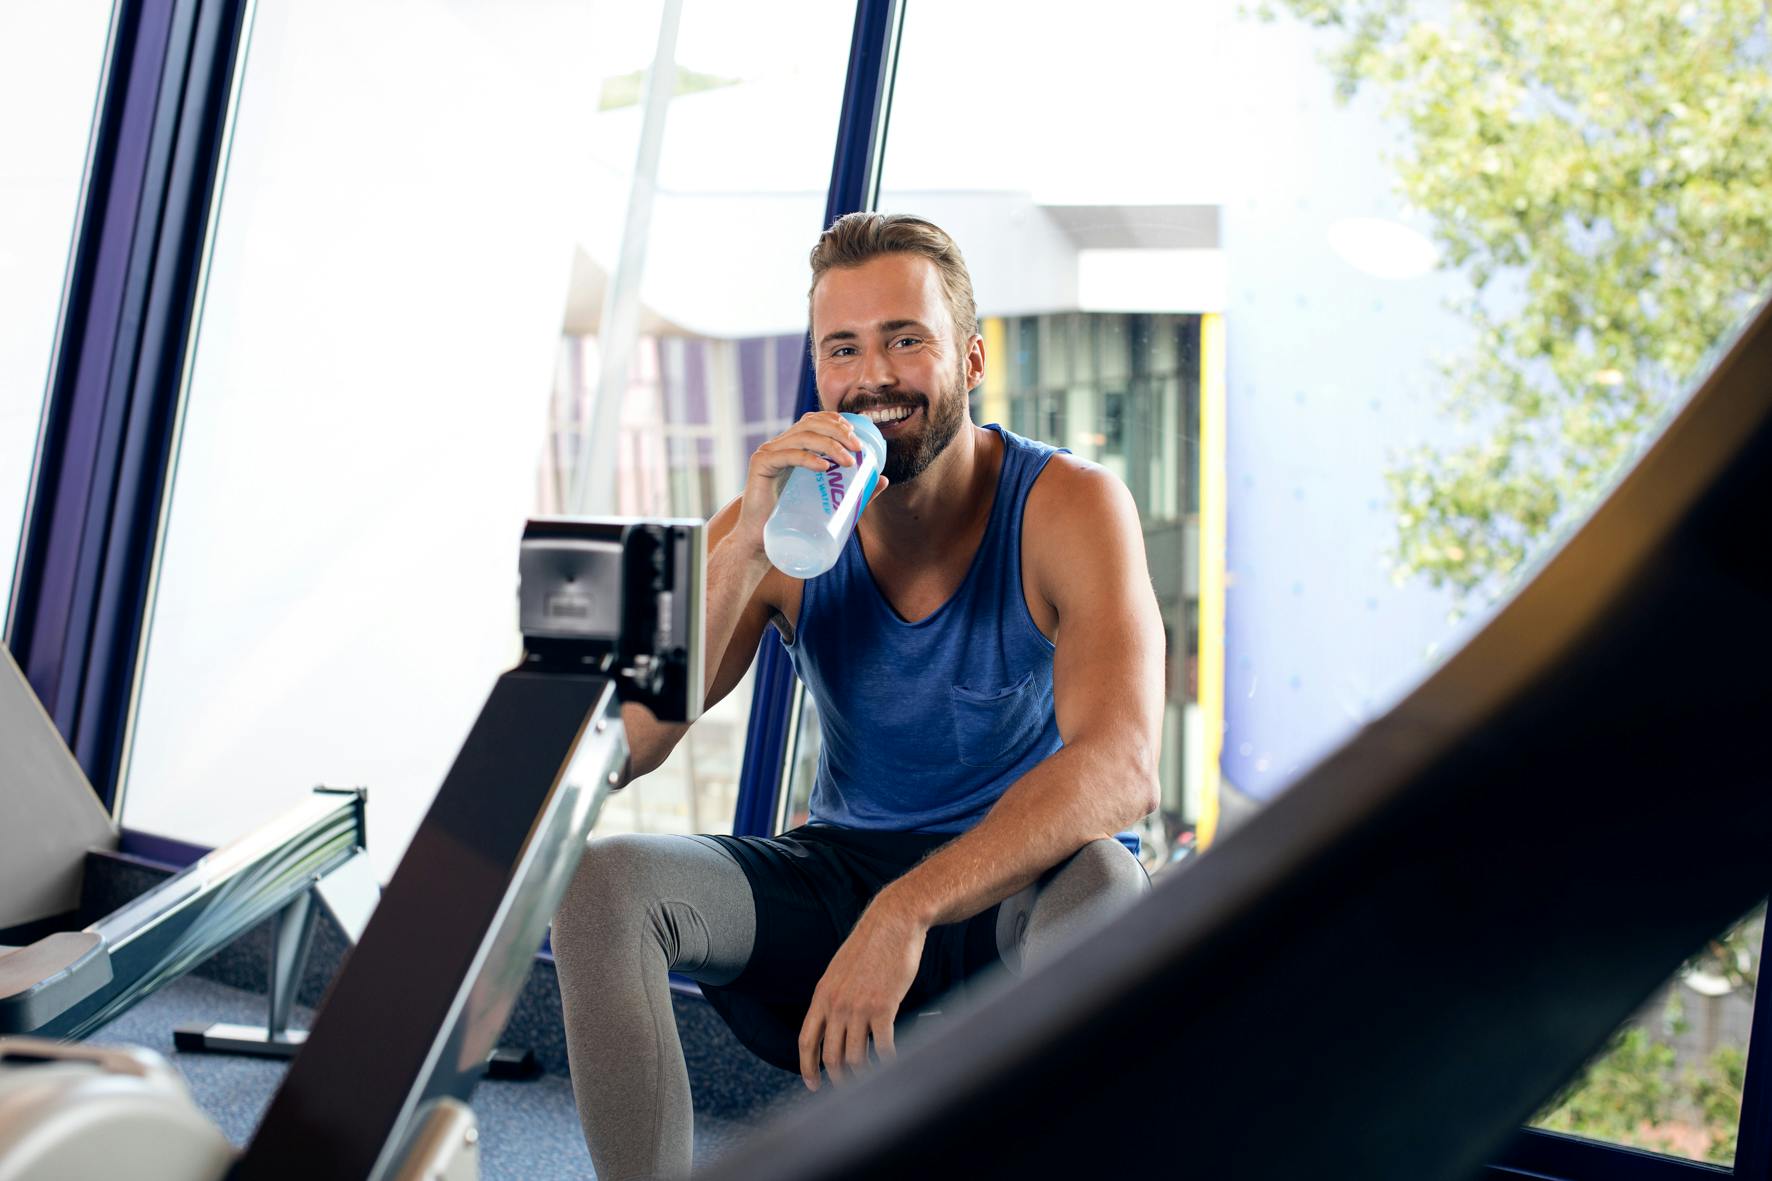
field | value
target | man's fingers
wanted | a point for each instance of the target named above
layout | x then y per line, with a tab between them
883	1046
833	1052
832	425
811	1036
855	1054
815	451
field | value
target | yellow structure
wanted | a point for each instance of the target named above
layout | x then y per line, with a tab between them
1212	557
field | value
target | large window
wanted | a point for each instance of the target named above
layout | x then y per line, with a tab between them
1099	267
1367	304
447	251
679	360
51	58
1670	1079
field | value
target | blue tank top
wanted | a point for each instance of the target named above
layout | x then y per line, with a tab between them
926	724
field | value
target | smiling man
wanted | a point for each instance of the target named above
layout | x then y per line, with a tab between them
987	661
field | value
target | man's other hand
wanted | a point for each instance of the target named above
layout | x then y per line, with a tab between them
859	994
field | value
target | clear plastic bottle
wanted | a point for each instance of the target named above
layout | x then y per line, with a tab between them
817	510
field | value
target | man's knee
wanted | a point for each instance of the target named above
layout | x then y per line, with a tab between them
1094	884
608	884
1103	868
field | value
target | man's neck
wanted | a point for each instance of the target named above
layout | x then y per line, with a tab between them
924	518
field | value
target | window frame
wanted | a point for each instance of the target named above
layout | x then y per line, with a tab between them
119	365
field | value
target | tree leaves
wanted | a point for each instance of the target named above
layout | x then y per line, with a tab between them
1614	159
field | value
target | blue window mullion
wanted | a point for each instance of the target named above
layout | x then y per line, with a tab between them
45	602
146	454
105	453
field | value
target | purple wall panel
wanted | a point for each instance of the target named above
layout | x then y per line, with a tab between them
790	357
754	400
695	381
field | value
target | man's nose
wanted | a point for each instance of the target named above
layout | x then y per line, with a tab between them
876	370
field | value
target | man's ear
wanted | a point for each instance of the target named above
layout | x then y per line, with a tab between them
974	362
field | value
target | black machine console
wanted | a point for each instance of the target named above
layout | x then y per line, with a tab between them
624	596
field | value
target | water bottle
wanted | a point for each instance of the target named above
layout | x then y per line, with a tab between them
817	510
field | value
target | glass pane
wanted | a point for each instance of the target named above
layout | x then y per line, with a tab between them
675	397
1670	1079
383	391
51	61
1427	327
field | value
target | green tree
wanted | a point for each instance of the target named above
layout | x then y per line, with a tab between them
1634	1092
1602	173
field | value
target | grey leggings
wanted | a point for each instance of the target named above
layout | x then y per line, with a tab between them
641	907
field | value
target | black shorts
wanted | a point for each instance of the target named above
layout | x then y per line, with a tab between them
809	886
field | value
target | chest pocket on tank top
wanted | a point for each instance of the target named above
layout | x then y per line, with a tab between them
991	726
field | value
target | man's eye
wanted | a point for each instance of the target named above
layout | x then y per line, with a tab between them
907	341
843	350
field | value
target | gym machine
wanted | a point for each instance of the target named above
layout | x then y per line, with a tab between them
64	979
611	612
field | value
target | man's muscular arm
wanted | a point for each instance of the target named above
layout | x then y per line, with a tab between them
1086	551
734	576
743	589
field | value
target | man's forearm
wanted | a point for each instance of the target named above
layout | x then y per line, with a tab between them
734	572
1082	792
735	569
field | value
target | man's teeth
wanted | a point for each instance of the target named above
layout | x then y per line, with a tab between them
893	415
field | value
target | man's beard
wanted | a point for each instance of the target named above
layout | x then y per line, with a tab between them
906	458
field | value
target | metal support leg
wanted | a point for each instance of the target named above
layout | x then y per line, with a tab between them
289	955
290	940
349	894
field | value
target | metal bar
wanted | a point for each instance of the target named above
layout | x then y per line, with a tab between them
593	479
290	940
187	918
855	183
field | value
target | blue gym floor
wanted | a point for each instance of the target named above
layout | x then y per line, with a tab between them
528	1130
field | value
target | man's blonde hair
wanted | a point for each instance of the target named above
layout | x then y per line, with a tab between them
856	238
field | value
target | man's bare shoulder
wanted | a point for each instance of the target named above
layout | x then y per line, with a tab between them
1078	515
1074	496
